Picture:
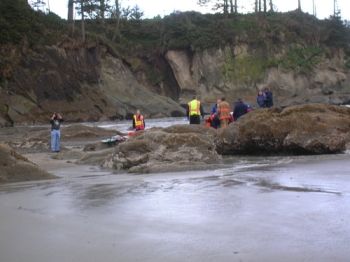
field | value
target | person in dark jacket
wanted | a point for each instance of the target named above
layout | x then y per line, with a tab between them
214	118
239	109
214	109
268	97
261	99
55	121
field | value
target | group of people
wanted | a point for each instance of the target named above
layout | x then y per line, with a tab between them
265	98
138	123
220	116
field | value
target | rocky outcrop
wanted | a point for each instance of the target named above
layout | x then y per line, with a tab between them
306	129
55	78
84	82
155	65
16	168
239	70
127	94
181	147
89	82
180	62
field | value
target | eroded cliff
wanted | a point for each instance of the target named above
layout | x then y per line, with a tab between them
158	65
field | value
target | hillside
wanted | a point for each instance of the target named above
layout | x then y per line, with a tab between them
158	64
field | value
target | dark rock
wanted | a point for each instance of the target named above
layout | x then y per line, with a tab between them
178	147
306	129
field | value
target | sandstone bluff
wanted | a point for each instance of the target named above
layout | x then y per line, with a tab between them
157	65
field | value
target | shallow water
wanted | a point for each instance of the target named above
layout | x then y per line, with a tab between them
125	125
255	209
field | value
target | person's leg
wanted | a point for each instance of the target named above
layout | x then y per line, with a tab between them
58	140
197	119
223	123
193	120
217	122
53	140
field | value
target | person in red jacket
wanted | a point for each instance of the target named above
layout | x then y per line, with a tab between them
138	121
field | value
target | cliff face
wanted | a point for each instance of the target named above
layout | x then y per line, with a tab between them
232	71
84	82
88	83
158	65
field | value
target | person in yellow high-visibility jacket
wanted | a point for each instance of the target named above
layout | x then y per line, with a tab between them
195	111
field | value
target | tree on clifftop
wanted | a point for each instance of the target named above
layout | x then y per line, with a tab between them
116	15
70	10
81	10
227	6
271	6
262	6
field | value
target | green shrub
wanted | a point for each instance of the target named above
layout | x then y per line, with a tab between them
244	68
302	59
18	22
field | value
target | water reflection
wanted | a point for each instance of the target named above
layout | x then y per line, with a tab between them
88	189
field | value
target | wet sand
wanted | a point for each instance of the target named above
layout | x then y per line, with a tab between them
273	209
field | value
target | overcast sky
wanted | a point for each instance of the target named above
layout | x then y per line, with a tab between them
152	8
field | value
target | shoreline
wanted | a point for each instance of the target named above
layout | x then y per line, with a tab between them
293	132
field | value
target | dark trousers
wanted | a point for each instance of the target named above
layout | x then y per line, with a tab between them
195	119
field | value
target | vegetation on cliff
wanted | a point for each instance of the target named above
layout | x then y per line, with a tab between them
43	60
293	41
306	36
18	23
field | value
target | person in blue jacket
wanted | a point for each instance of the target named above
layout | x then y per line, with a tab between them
268	97
215	121
261	99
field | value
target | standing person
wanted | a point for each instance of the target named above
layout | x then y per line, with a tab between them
268	97
261	99
214	109
240	109
194	111
55	122
224	113
214	117
138	121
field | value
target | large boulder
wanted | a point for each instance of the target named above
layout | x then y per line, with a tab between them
306	129
16	168
180	147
